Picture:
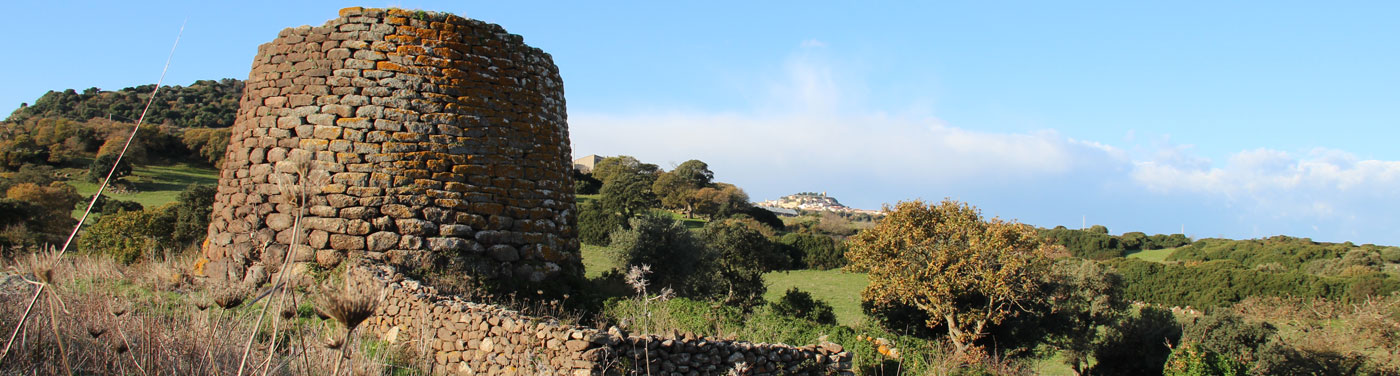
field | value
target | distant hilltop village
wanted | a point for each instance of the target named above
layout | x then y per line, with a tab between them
812	201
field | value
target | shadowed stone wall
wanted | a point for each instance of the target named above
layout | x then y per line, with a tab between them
467	338
415	138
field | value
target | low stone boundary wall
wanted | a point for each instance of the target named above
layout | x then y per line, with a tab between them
480	339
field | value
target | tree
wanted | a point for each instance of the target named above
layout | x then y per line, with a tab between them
586	184
1138	344
815	251
676	258
194	205
741	254
56	202
1086	299
695	173
609	167
210	143
675	193
721	201
21	150
595	224
627	193
962	270
102	166
676	188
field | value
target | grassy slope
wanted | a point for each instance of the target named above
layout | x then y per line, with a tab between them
840	289
1156	255
155	185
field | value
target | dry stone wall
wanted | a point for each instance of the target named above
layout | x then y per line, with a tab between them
480	339
417	138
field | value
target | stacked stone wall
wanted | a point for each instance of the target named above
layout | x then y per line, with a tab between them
472	338
418	138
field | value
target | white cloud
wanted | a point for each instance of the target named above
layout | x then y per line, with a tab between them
813	130
1323	184
814	125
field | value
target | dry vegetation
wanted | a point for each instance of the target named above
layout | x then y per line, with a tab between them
98	317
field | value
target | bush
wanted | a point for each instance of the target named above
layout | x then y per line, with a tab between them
676	258
595	225
127	236
195	204
1138	345
814	251
741	255
586	184
102	165
107	205
765	217
800	304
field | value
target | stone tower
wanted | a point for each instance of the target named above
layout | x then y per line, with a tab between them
416	139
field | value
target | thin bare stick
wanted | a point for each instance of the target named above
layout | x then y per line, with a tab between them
102	187
126	146
303	179
62	349
22	319
249	346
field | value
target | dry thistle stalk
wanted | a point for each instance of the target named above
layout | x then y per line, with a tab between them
350	305
230	297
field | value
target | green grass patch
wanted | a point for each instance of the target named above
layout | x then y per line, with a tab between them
838	288
690	223
586	199
597	259
1155	255
155	185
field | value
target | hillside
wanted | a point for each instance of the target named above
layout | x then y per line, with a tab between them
205	103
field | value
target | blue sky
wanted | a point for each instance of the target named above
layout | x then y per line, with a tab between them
1242	119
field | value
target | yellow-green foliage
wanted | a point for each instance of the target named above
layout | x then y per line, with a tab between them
129	234
968	272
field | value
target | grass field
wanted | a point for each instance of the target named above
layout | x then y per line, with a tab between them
155	185
690	223
840	289
597	260
1155	255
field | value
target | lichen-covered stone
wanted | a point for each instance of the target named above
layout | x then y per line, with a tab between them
411	134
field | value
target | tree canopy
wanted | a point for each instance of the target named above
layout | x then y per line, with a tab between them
964	271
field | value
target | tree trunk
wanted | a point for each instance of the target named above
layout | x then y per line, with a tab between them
956	335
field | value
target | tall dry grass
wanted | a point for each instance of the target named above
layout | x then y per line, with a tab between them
155	318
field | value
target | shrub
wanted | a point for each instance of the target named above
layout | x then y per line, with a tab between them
741	255
127	236
102	165
586	184
1138	345
195	204
676	258
107	205
815	251
800	304
595	225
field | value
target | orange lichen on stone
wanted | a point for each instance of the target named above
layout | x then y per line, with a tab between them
401	39
388	66
351	11
427	33
430	61
396	20
409	50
